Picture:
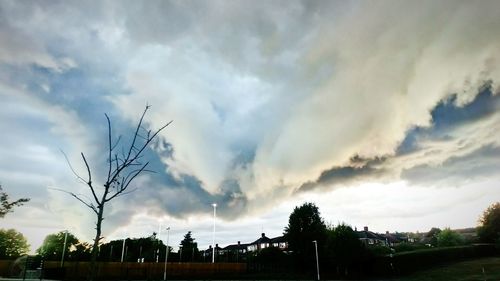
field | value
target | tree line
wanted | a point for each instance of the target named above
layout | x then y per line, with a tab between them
339	244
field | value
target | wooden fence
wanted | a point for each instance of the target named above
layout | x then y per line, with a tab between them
132	271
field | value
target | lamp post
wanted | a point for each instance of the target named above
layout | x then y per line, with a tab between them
166	256
317	261
157	244
213	236
123	249
64	248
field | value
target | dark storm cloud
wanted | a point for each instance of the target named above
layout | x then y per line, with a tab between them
447	117
358	170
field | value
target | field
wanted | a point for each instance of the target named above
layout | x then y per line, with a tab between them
463	271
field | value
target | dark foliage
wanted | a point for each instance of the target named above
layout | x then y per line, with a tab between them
7	206
189	248
432	236
305	225
13	244
146	249
343	248
53	248
489	231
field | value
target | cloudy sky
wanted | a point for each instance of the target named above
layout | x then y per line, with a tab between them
383	113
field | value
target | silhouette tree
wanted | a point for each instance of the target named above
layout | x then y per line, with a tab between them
123	167
343	247
304	226
6	206
189	247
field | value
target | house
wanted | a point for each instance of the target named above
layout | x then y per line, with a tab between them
259	244
235	248
280	242
370	238
392	239
234	252
207	254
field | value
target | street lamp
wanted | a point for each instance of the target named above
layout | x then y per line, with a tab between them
317	262
166	256
213	236
64	248
123	249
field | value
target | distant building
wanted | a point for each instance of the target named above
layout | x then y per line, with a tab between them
234	252
392	239
207	254
259	244
280	242
238	252
370	238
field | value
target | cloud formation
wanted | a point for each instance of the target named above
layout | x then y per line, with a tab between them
269	99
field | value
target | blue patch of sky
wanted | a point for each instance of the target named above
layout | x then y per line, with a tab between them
244	155
447	115
75	90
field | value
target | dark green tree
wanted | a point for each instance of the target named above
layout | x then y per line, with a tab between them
147	249
13	244
189	248
432	235
489	230
449	238
53	244
6	206
271	257
305	225
112	250
343	247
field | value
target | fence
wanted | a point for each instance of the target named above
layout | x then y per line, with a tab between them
132	271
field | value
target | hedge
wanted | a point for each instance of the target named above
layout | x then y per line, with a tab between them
406	262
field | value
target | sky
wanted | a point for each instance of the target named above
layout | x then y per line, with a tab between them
383	113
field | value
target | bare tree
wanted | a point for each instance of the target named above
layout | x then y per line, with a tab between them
123	168
6	206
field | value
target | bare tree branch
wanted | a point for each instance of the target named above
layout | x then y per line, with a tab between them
109	142
71	168
77	196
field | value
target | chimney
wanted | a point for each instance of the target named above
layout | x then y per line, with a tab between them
365	228
263	235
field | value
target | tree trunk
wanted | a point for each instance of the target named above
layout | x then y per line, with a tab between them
95	247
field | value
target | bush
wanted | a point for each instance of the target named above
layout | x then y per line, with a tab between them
449	238
379	251
408	247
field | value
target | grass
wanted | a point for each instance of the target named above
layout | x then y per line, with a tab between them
461	271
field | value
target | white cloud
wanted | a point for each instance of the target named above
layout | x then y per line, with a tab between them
267	93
